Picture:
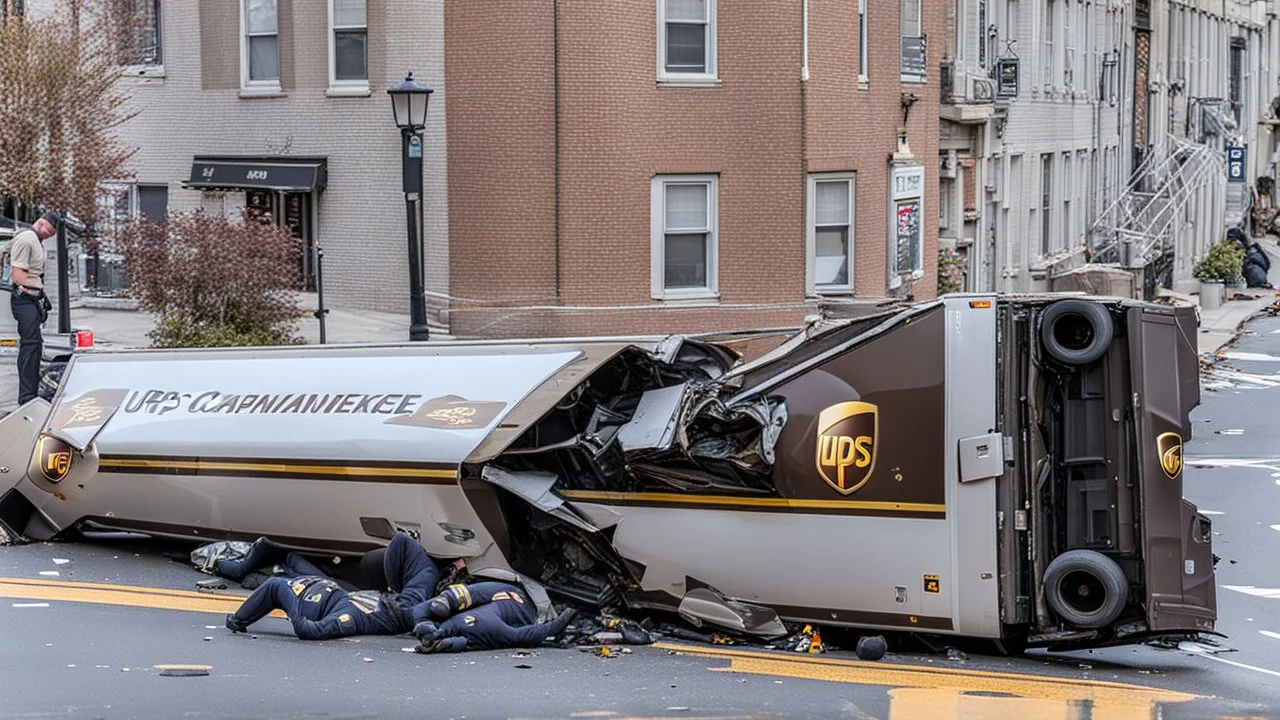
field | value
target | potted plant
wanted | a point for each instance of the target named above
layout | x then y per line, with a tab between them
1221	265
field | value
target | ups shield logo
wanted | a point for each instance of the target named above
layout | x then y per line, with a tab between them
54	457
846	452
1169	445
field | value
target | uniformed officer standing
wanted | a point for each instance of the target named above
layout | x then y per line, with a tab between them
28	302
485	616
320	609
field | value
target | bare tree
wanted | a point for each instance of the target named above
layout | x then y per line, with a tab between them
61	104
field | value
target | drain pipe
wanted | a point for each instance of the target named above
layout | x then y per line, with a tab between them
804	41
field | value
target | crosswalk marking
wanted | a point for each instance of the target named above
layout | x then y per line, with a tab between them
1270	593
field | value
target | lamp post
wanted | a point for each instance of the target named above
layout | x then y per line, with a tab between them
409	105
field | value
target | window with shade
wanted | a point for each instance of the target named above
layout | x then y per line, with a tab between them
349	43
687	40
830	211
261	50
684	242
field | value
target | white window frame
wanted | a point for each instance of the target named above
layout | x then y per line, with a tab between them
357	88
658	244
709	78
812	288
248	86
863	55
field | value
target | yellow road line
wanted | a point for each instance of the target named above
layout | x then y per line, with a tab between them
947	686
683	499
214	465
124	595
1111	700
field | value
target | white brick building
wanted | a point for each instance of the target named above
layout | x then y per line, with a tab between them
1098	130
1034	139
257	101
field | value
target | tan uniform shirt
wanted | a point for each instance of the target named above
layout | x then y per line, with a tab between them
27	252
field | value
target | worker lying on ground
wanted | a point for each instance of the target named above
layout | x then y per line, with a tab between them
320	608
264	554
485	616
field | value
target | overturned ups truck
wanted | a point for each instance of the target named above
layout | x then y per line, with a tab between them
1001	467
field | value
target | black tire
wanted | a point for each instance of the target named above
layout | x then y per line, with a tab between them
1076	332
1085	588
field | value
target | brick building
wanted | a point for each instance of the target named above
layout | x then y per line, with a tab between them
686	165
591	167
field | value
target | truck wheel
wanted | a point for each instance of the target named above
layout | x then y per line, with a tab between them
1076	332
1086	588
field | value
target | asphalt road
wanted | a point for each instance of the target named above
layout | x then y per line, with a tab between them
88	629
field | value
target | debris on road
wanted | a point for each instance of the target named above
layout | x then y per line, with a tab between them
871	647
955	655
181	670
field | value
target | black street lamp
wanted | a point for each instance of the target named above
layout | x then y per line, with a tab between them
409	105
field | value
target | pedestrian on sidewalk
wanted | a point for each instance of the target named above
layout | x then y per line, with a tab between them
28	302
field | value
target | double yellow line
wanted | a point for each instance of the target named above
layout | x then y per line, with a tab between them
124	595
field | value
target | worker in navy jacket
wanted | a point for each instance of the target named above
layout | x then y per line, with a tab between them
484	616
320	608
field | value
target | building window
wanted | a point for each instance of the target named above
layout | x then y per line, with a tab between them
1046	200
1068	45
830	232
684	252
261	49
153	202
913	46
349	43
862	41
1235	77
687	40
1046	47
138	41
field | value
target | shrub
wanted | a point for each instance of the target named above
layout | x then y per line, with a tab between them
213	281
950	272
1224	262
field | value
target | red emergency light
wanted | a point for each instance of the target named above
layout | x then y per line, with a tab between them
84	339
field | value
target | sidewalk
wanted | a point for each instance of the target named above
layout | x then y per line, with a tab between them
1220	326
120	329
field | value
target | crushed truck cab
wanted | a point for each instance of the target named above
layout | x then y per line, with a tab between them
1001	467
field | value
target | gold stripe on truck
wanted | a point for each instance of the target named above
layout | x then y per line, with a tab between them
401	472
747	502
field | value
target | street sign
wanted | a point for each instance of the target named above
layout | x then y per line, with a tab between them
1235	164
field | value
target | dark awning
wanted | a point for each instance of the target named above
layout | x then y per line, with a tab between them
277	173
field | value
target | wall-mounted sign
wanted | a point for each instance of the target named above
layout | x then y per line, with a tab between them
1235	164
1007	77
906	224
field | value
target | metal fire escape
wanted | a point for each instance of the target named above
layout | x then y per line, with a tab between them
1137	230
